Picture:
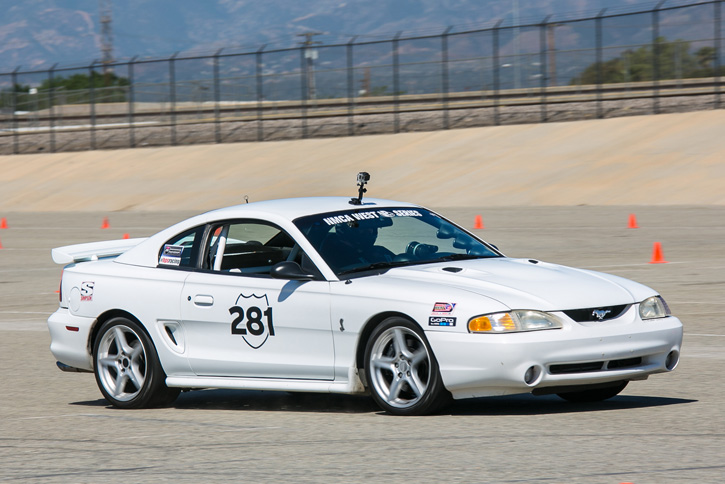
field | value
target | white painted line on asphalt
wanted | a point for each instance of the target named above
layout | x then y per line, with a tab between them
706	335
644	264
697	302
24	325
59	416
23	312
25	269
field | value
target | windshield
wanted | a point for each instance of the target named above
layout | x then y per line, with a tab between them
363	239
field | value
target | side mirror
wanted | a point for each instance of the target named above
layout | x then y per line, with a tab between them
290	271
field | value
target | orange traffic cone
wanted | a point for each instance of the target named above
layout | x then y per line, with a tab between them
105	224
657	256
3	223
632	222
125	236
478	222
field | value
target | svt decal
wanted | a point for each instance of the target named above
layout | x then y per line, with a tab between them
255	323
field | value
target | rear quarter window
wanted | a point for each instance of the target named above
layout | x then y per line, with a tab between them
181	251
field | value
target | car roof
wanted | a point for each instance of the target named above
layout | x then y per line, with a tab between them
292	208
282	212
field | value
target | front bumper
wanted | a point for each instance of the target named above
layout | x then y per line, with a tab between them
69	339
475	365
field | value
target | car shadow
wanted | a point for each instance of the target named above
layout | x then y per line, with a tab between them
268	401
551	404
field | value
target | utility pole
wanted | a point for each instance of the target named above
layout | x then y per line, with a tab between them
104	9
310	56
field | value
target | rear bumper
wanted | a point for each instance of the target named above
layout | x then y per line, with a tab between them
474	365
69	339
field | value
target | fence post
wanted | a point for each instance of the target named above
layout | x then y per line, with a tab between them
656	57
303	90
496	73
444	75
396	84
543	51
718	49
172	96
16	147
92	102
217	127
260	93
599	61
131	100
350	88
51	109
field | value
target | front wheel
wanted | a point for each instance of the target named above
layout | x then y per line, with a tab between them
595	394
402	371
127	368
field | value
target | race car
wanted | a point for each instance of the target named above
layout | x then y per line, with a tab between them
342	295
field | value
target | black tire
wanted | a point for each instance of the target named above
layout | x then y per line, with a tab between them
595	394
127	368
401	370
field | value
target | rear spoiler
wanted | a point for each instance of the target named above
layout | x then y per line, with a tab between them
93	250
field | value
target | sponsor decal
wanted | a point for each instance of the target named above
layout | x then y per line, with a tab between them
87	290
171	256
173	250
443	307
441	321
253	323
170	261
370	215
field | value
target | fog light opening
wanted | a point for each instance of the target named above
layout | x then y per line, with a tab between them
532	375
672	360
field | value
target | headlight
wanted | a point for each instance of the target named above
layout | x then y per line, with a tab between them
513	321
653	308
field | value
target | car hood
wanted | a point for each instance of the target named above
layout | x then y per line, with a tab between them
528	284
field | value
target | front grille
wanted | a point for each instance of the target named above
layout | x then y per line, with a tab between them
629	362
589	314
576	368
594	366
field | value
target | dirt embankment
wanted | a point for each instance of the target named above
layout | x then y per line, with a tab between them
668	159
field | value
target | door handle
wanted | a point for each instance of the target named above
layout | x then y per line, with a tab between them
203	300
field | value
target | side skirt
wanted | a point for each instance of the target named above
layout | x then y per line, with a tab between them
351	386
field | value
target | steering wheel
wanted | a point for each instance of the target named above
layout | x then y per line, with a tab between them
419	250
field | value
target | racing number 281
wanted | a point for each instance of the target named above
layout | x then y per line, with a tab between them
255	325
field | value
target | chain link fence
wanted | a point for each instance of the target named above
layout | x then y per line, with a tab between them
668	59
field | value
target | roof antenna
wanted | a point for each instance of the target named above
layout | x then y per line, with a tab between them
246	198
362	178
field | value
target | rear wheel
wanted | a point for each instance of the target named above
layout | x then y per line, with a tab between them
594	395
126	366
402	371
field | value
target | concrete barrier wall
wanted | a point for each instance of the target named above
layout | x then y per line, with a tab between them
669	159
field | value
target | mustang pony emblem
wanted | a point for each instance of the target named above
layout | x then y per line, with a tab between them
600	313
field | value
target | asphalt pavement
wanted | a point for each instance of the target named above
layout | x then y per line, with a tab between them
55	426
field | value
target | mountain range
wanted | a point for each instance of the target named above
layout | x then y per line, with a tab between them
36	34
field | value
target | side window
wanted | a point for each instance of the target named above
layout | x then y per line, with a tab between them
182	250
249	248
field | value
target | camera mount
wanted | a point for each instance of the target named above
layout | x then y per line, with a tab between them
362	178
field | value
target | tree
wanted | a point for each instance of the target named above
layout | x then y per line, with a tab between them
705	57
674	62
